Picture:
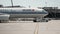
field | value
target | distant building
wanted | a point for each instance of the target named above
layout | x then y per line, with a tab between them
15	6
1	5
49	9
12	6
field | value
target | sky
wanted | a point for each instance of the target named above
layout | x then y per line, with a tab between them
32	3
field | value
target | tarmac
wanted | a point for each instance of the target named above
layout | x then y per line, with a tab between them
30	27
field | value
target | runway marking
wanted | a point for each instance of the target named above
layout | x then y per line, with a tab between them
36	28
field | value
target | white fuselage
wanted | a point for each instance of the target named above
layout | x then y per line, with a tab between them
23	12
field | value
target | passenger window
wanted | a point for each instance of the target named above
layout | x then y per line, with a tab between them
26	9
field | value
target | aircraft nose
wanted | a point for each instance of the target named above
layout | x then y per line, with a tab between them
46	12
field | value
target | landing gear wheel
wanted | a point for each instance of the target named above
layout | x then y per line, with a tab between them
46	20
34	21
0	21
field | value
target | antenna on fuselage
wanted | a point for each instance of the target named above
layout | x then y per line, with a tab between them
12	3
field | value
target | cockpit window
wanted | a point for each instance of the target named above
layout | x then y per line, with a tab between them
43	11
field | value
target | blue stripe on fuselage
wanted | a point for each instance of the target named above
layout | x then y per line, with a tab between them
21	12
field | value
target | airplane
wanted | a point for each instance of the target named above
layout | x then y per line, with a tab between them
10	13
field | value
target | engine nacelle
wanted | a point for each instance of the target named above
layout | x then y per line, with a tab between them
4	18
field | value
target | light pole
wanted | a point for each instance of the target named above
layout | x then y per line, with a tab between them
12	3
